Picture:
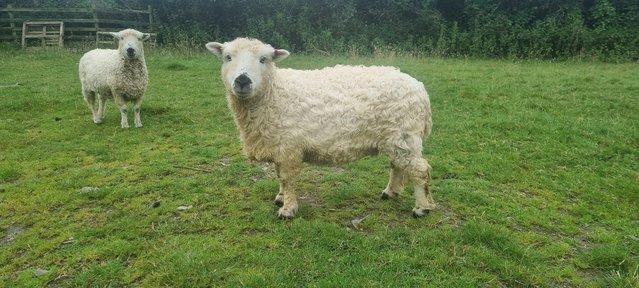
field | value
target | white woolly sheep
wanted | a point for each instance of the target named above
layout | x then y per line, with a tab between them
119	74
327	116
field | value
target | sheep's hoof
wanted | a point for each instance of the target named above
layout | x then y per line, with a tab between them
138	125
387	194
97	121
125	126
279	200
286	214
420	212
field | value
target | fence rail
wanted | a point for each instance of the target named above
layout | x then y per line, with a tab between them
72	10
80	23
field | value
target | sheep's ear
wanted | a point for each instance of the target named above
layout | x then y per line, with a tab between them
146	36
280	54
215	47
115	35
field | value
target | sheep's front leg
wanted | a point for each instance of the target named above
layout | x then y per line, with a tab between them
412	165
136	109
89	97
419	170
395	183
287	174
121	103
424	202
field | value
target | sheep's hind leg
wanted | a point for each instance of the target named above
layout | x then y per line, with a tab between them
136	110
287	174
395	183
89	97
101	108
122	105
279	198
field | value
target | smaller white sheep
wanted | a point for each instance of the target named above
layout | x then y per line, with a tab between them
119	74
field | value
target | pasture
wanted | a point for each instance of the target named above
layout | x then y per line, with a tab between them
535	166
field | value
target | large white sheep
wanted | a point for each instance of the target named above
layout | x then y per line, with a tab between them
119	74
326	116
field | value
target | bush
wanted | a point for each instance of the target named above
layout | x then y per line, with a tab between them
604	29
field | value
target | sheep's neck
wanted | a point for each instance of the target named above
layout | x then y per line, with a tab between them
134	74
254	117
133	66
247	111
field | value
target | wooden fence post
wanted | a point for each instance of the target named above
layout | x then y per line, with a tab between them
24	33
97	28
44	35
150	19
13	25
61	39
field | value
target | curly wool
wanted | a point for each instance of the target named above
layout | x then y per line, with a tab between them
332	115
326	116
119	74
104	70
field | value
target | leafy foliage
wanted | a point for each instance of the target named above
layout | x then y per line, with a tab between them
605	29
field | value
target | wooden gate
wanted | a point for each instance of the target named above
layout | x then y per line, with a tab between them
48	32
80	24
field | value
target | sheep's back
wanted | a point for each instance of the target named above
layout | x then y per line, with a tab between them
97	68
344	109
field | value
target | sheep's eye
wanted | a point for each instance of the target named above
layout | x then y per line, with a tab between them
263	59
228	57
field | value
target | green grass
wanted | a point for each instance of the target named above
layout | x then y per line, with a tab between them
536	171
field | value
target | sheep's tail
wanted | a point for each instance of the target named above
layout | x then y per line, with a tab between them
429	125
429	115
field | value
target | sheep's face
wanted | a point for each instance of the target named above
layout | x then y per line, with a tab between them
130	43
246	65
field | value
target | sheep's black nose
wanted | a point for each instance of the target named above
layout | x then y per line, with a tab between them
130	52
243	81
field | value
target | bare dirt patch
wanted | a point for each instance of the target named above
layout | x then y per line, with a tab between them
11	233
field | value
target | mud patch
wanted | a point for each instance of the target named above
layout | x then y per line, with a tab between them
448	217
355	221
11	233
443	216
269	170
225	161
312	201
338	170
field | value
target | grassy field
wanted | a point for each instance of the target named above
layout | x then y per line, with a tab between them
536	171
